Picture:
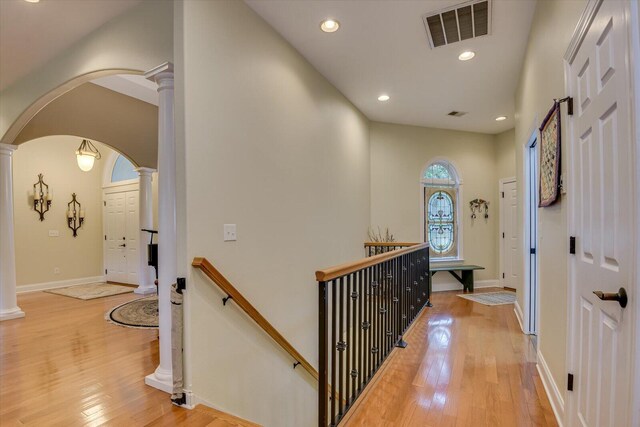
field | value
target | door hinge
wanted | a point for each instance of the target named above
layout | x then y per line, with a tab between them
503	275
105	271
503	235
503	194
570	382
572	245
105	237
532	251
104	203
181	284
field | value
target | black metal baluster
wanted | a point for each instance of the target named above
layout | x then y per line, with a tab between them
355	299
340	347
333	351
322	345
361	317
348	342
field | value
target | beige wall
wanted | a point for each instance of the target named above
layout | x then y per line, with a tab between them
273	147
138	40
399	154
542	79
37	254
506	154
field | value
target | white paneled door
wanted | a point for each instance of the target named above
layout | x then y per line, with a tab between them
602	219
510	237
122	237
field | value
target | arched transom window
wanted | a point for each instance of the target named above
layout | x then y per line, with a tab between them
123	170
441	214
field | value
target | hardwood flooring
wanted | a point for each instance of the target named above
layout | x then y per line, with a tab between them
64	365
467	364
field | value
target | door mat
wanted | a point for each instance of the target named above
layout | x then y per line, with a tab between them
141	313
91	291
491	298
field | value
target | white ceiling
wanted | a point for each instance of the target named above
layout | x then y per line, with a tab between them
33	33
382	47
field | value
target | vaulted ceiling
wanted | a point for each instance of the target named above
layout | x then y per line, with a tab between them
382	47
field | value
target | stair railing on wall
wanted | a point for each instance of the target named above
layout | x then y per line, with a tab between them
377	248
364	309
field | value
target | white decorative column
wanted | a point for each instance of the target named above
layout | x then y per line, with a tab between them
146	273
8	302
167	258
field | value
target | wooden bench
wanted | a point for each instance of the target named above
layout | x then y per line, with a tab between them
465	270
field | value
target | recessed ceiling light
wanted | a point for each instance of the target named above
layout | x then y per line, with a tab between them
329	25
32	1
501	118
383	98
466	55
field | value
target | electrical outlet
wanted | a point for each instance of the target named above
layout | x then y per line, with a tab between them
56	270
54	233
230	233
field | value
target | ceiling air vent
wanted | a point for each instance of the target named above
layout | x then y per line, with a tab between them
461	22
456	113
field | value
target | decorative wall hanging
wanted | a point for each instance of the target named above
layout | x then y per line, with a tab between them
42	197
479	206
550	156
75	215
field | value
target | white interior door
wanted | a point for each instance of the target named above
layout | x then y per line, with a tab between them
602	212
122	237
132	234
510	237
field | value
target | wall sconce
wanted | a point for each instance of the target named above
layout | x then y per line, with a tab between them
75	215
478	206
42	197
87	154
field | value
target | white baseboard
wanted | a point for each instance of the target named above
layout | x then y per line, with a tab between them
550	386
457	286
519	315
59	284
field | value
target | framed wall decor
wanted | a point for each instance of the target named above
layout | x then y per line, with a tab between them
550	157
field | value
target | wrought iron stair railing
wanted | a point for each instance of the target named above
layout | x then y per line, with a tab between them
364	309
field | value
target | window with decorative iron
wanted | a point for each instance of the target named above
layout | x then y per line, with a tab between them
441	222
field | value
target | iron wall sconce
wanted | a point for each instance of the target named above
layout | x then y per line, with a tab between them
478	206
42	197
75	215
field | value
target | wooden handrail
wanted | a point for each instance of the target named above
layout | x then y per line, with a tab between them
350	267
212	273
389	244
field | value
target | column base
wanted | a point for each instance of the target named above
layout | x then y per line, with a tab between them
160	379
14	313
145	290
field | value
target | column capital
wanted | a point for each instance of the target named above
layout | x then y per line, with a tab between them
7	149
145	171
162	75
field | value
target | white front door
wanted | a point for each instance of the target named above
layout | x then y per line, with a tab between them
602	190
121	236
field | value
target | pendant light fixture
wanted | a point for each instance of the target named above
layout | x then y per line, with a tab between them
87	154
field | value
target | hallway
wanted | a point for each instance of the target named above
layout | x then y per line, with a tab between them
467	364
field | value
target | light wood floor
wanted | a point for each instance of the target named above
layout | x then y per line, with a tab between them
467	364
64	365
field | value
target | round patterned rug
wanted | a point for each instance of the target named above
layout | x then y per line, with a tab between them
140	313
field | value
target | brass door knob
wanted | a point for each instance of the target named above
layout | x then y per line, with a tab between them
621	296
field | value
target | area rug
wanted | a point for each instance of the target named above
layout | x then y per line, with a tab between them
491	298
91	291
140	313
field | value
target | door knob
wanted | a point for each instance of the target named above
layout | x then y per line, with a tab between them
124	245
621	296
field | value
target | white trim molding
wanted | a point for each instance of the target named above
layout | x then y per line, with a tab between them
518	311
60	284
550	386
580	31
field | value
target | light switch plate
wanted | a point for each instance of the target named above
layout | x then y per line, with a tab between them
54	233
230	234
